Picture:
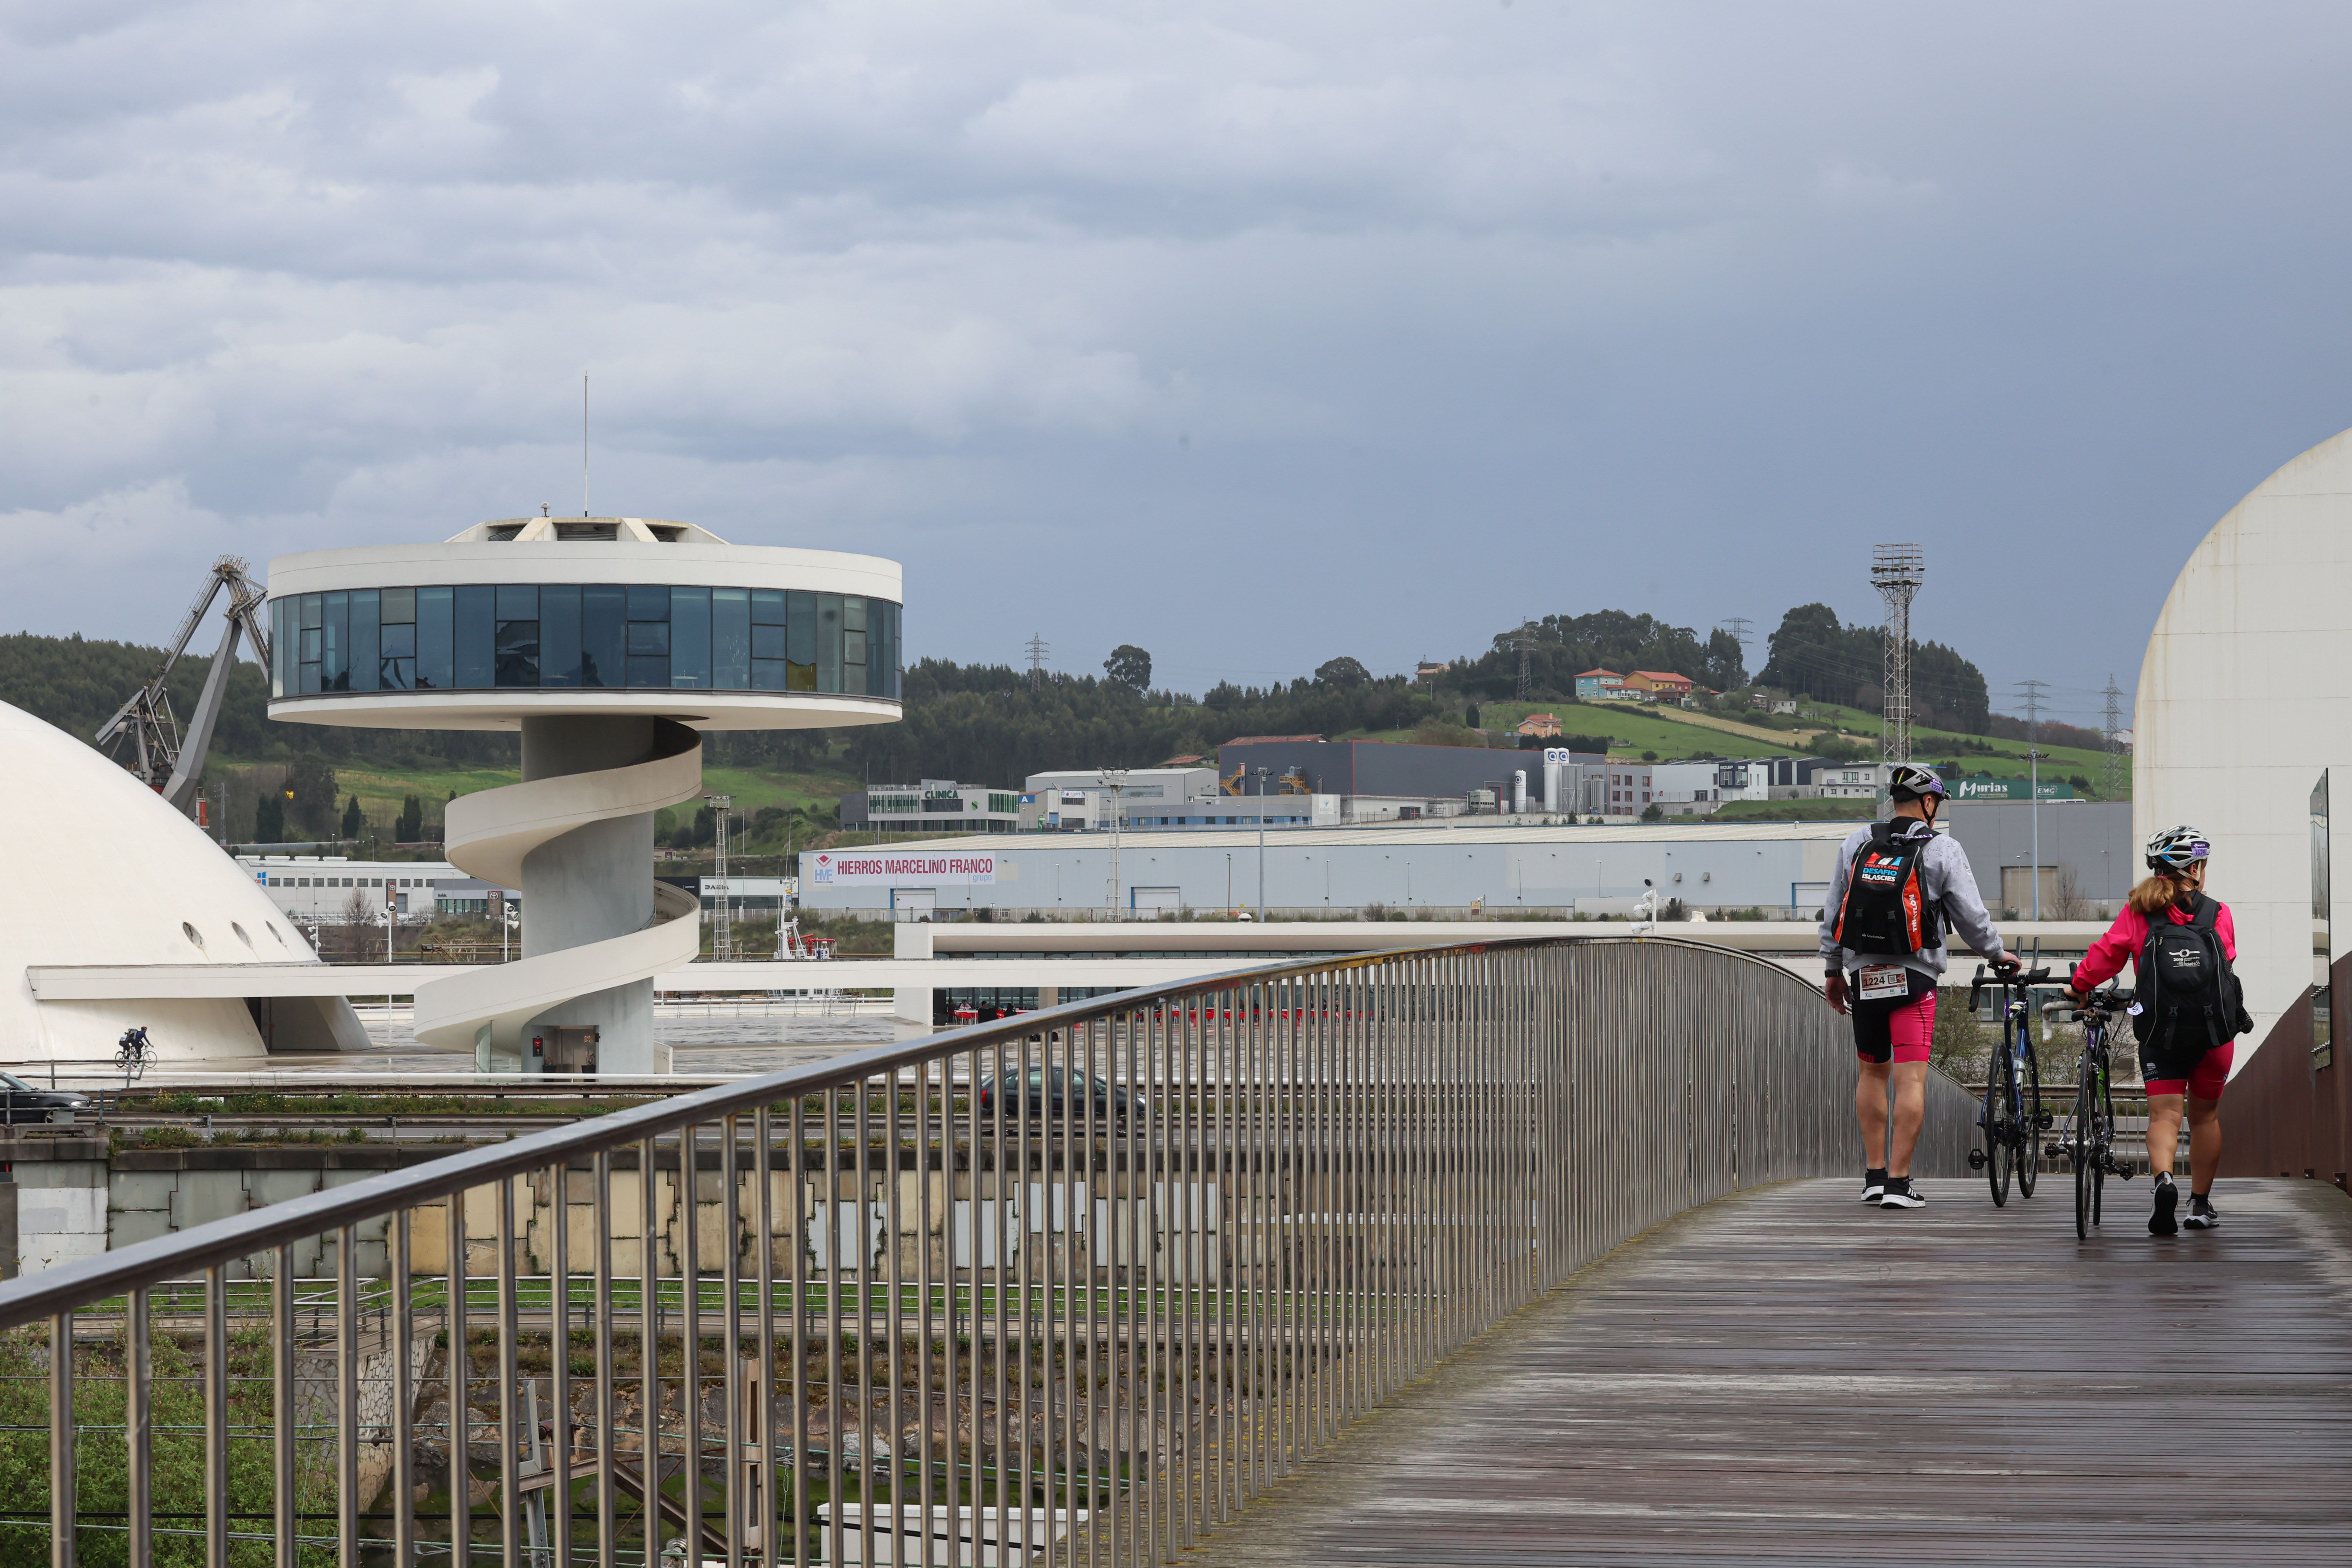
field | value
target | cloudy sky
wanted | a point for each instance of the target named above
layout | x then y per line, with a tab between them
1251	334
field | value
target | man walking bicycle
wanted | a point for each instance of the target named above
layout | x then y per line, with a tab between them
1895	884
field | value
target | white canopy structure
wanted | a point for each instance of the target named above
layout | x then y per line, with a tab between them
2245	699
139	886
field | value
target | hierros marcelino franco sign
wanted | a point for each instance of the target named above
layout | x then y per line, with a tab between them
837	866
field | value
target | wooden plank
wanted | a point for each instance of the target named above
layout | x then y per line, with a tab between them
1787	1376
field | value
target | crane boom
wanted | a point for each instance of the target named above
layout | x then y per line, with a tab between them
144	734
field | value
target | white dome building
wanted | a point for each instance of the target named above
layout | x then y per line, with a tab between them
103	877
2245	699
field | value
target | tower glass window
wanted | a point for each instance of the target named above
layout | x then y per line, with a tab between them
480	636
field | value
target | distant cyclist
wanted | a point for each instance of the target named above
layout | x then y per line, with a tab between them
2187	1013
1882	938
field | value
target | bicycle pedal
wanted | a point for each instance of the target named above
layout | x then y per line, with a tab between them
2047	1119
1976	1160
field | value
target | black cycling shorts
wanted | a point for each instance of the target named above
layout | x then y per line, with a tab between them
1896	1027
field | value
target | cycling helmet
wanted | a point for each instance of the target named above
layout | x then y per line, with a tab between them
1909	781
2176	849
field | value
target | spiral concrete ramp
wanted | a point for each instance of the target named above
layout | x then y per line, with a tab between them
502	835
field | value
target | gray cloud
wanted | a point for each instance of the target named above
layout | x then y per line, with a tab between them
1251	335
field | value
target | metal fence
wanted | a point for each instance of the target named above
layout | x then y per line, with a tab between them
1067	1289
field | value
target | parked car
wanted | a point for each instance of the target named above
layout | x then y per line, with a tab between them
26	1103
1062	1095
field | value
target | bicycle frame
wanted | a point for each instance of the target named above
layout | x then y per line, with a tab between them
2013	1128
2087	1140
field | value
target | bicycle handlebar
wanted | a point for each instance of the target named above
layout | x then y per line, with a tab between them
2103	1003
2016	980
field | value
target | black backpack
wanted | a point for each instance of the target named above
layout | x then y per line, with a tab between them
1886	908
2187	993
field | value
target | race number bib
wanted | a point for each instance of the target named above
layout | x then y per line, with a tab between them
1882	982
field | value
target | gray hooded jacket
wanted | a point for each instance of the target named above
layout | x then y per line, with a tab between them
1944	877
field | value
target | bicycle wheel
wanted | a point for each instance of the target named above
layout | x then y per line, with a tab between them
2083	1152
2028	1147
2001	1124
2105	1146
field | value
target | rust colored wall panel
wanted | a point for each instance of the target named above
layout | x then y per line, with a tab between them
2283	1117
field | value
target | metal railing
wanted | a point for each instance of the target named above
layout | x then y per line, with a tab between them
1072	1288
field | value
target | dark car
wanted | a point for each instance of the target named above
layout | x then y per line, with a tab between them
1055	1093
26	1103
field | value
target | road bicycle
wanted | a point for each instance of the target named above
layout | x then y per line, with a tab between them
2087	1140
131	1053
2012	1118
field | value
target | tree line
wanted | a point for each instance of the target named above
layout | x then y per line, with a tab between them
991	722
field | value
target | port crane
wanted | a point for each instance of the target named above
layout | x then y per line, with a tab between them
145	735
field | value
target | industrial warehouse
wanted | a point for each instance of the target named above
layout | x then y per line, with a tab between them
1458	870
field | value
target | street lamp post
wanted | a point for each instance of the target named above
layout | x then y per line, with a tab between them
390	933
1260	841
2033	790
1113	781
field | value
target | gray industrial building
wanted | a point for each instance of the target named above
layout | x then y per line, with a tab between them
2088	854
1380	767
1450	869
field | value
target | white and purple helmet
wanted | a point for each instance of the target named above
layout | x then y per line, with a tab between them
2176	849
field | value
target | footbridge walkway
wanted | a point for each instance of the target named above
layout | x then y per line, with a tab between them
1536	1250
1957	1385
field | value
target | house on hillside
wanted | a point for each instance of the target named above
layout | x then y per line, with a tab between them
1659	684
1543	724
1594	685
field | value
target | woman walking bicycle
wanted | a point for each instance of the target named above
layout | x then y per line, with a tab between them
2187	1015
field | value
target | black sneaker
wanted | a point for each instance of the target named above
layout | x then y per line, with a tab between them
2200	1212
2168	1196
1872	1184
1899	1196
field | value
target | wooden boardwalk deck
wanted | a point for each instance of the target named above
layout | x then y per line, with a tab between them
1787	1376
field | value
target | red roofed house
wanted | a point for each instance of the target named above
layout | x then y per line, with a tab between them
1660	685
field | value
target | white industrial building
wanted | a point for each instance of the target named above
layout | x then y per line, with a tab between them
1451	869
1474	863
932	805
325	889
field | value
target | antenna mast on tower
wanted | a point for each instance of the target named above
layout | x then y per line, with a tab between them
1897	571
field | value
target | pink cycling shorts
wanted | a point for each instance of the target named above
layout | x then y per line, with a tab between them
1900	1028
2206	1079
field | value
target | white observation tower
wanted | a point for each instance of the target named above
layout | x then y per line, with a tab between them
610	643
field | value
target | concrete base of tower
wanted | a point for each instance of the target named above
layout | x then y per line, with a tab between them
576	838
605	1031
593	882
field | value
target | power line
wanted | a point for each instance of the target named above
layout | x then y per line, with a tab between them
2030	694
1740	628
2031	691
1037	650
2111	782
1524	639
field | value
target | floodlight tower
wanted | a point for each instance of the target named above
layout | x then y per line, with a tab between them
610	643
1897	571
